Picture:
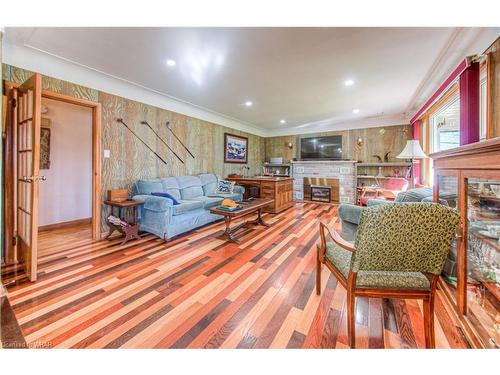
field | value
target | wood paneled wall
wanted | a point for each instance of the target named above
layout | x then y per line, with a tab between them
130	160
494	90
375	141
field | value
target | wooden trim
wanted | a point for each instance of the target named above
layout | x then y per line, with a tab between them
10	185
476	148
65	224
96	156
489	89
335	237
68	99
96	171
452	91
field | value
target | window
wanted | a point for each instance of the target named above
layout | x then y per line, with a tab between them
444	125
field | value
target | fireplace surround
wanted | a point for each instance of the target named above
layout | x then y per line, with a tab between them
339	175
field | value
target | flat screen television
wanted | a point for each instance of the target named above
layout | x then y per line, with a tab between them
328	147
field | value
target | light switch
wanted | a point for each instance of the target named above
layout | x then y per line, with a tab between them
107	154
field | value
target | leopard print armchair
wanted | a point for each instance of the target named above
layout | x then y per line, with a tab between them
399	252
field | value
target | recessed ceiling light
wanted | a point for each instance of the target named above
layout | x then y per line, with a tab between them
248	103
349	82
355	110
171	62
282	121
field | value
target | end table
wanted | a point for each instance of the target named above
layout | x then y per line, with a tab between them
127	211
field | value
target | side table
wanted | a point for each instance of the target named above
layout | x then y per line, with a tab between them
127	211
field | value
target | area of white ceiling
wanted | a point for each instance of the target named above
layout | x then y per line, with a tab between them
295	74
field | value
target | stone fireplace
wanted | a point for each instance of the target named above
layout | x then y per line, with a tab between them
338	176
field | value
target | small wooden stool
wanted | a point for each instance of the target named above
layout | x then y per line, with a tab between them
125	209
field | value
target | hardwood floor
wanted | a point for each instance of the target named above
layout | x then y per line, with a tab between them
200	292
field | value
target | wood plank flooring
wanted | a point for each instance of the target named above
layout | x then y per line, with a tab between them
199	292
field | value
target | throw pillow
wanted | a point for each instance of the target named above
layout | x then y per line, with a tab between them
224	187
167	195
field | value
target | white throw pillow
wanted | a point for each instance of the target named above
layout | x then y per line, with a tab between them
224	187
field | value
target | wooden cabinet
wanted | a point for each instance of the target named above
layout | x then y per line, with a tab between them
278	188
468	179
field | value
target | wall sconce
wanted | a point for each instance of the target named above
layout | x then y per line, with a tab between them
359	141
290	145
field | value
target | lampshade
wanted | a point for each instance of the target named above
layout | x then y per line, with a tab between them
412	150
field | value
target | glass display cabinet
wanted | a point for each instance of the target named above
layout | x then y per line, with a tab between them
468	179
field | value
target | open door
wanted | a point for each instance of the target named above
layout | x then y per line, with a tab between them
29	104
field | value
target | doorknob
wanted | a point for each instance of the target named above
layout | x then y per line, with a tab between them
33	178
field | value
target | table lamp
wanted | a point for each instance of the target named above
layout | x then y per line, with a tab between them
412	151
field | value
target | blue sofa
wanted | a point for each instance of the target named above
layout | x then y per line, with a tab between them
196	195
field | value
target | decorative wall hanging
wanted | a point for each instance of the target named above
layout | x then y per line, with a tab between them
120	120
45	144
176	137
161	139
235	149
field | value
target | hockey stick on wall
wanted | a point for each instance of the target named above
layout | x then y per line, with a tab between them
176	137
165	143
120	120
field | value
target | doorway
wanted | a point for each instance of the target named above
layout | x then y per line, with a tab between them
65	196
13	254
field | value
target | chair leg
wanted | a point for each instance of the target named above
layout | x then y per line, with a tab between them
351	323
429	323
318	274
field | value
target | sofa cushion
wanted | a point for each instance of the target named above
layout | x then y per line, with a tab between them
190	187
341	258
209	183
171	187
146	187
185	206
414	195
209	202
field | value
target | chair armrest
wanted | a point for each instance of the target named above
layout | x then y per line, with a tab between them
377	202
154	203
350	213
335	237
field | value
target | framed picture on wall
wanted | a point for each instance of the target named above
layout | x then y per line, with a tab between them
235	149
45	144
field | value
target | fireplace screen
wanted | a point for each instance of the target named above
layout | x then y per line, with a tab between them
320	193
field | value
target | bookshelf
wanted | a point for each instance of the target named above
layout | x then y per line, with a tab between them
283	170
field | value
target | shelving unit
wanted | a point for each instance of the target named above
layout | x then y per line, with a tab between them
366	171
283	170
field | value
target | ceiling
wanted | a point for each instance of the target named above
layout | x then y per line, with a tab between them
294	74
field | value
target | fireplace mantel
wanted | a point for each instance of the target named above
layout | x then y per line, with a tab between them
343	170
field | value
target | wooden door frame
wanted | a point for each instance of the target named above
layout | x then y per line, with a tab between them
96	160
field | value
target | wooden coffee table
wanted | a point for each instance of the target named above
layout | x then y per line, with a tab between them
248	208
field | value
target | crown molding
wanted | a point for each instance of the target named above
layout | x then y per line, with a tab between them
338	125
463	42
35	60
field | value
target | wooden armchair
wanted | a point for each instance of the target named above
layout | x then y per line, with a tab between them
400	251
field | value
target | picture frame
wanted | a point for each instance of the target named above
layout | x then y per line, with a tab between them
45	143
235	149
